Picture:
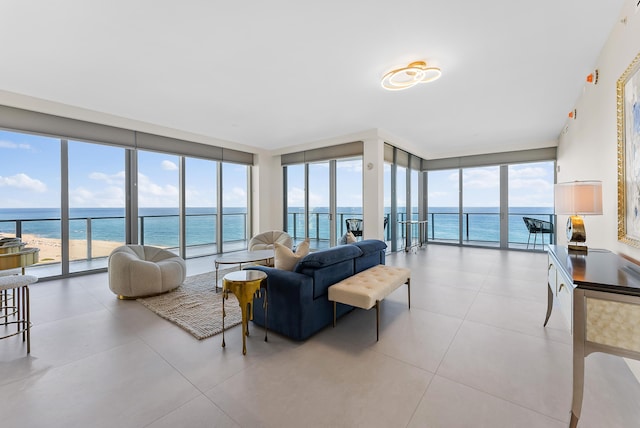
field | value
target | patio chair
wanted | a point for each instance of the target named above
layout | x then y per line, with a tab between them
536	226
354	225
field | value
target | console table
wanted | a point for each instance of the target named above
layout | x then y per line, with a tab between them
599	294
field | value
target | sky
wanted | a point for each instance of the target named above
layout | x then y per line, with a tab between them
530	185
30	178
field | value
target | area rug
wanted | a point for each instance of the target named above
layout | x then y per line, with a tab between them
196	307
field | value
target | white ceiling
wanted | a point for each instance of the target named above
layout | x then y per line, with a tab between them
272	74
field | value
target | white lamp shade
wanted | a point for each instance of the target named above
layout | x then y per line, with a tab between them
579	198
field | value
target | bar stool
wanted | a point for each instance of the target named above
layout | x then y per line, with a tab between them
14	306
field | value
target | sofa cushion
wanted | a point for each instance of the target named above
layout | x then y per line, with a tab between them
369	246
373	254
286	259
328	257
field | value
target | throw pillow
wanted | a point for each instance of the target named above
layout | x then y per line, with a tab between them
286	259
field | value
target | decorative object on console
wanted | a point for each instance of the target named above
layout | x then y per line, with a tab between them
411	75
578	198
628	108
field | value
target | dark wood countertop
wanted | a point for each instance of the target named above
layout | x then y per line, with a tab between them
599	270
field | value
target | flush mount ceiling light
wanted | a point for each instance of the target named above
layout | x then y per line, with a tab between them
411	75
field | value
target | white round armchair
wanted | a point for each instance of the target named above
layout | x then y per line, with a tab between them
142	270
266	240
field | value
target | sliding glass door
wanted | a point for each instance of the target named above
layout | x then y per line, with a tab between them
481	206
201	200
494	202
443	199
348	193
320	197
96	204
235	206
30	187
318	204
295	202
158	200
530	195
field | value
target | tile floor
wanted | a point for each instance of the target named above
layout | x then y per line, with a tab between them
471	352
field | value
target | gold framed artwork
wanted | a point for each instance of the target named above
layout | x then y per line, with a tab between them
628	110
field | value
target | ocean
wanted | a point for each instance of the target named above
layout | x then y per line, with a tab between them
159	226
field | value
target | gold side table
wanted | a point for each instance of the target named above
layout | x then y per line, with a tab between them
244	284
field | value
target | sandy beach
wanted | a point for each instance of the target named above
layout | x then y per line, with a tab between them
51	249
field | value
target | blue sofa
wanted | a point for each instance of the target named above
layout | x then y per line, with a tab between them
298	304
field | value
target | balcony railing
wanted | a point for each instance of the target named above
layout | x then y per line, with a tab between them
477	227
158	230
481	226
162	230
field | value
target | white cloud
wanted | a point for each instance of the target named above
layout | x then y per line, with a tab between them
168	165
237	197
23	181
527	172
108	197
295	197
437	194
481	178
151	194
4	144
534	185
111	179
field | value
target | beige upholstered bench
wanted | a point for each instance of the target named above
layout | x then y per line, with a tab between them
367	288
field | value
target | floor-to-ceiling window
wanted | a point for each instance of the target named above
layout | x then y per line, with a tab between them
443	200
481	206
318	204
401	205
388	230
96	204
235	206
158	199
323	188
77	198
200	206
295	202
494	199
30	186
348	193
401	176
415	199
530	195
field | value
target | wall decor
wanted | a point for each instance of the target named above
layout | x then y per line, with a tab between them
628	111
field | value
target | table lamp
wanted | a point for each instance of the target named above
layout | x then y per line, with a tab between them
578	198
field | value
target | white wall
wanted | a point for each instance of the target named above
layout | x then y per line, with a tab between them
588	147
267	186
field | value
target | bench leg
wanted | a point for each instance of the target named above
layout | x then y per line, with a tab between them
409	291
334	314
377	320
